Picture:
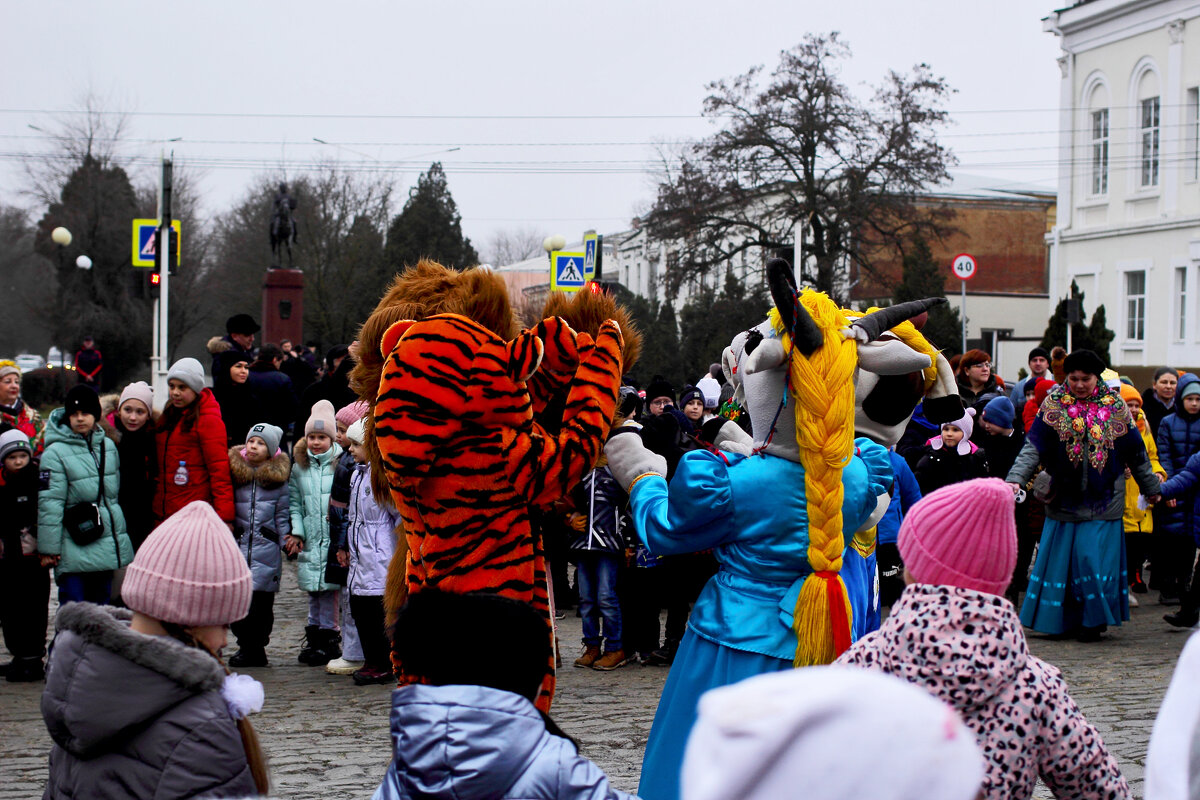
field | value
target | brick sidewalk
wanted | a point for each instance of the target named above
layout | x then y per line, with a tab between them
326	738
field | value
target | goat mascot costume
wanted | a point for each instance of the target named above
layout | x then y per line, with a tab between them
778	513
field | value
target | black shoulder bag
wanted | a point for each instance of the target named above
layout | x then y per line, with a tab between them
82	520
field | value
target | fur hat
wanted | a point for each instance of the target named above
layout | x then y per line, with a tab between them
357	432
322	420
963	535
659	387
189	571
13	440
9	368
1084	361
190	372
268	433
82	398
761	738
438	636
139	391
242	324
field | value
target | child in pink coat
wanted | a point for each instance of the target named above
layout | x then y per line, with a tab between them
953	633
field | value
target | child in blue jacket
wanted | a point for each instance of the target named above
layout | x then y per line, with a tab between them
905	494
1183	486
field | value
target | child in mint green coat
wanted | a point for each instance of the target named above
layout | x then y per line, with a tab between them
309	488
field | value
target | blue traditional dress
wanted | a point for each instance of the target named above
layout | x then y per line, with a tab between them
752	511
1080	577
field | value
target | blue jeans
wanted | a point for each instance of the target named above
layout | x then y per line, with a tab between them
597	577
90	587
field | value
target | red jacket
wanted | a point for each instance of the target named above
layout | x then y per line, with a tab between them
198	439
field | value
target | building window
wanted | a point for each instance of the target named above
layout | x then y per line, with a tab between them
1149	155
1193	132
1180	302
1100	151
1135	306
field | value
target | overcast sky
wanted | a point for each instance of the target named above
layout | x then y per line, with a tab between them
395	84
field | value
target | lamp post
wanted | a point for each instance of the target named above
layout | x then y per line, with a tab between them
553	242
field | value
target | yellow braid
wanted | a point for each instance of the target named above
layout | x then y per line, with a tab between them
823	390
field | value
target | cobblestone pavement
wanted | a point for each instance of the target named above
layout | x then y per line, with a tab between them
326	738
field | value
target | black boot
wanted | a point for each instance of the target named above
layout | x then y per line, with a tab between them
310	653
1183	618
323	648
25	670
249	657
331	646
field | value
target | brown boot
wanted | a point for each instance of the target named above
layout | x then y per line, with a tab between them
611	660
591	655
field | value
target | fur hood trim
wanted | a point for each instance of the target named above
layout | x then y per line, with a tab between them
300	453
218	344
270	475
108	627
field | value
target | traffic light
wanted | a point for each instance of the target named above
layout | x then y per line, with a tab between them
153	285
173	248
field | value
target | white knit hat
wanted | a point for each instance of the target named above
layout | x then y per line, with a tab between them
140	391
190	371
786	734
356	432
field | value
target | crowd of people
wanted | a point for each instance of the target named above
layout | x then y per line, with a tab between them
163	530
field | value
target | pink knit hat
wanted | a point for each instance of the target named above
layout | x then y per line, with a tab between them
962	535
189	571
321	420
352	413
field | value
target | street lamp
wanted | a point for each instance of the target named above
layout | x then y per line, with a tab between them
60	236
83	262
554	242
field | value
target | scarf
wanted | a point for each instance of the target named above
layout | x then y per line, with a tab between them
1087	428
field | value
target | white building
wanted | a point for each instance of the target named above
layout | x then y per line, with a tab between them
1128	228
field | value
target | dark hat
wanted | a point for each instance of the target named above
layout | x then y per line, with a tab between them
1084	361
334	353
82	398
999	411
689	394
659	387
1038	352
439	636
243	324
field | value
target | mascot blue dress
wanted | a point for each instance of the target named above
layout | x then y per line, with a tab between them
777	512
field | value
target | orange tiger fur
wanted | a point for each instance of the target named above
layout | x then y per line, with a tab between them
465	458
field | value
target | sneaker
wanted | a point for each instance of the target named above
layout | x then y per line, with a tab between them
248	658
371	675
1133	601
591	654
1183	618
611	660
1138	586
340	666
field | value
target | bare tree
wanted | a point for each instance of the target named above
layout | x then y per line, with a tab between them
803	148
511	246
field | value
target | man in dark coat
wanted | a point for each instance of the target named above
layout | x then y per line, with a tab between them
89	363
334	386
274	397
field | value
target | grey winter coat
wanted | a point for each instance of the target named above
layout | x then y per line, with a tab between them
370	536
473	742
262	515
136	716
73	464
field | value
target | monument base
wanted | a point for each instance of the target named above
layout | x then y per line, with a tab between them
283	306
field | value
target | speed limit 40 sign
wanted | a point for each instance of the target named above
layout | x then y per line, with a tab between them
963	266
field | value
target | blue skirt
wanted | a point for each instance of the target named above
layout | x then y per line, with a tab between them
699	665
1079	578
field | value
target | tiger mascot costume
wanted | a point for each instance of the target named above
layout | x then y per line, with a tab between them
473	426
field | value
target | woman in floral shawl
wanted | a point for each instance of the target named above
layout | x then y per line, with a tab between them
13	409
1086	438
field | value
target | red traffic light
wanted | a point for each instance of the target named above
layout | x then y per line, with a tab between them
155	279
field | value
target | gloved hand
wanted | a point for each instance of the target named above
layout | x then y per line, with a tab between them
629	458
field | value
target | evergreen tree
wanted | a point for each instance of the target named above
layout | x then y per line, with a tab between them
709	321
921	277
429	227
1094	336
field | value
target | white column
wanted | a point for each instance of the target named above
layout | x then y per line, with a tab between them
1173	134
1066	142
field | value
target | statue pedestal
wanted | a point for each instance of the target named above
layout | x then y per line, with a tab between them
283	306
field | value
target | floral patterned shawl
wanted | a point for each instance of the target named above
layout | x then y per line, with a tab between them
1087	428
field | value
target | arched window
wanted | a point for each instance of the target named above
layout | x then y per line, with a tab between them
1147	119
1097	128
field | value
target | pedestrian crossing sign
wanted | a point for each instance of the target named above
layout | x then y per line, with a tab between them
566	271
145	241
589	256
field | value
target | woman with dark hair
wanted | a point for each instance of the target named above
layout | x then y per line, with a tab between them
1158	399
1085	437
239	410
976	382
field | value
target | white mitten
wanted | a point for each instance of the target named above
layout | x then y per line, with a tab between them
629	459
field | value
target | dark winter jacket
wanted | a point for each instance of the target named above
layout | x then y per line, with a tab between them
239	411
135	716
916	434
477	743
139	473
196	438
89	363
943	466
262	515
600	498
225	353
1178	439
334	387
1154	409
1001	450
73	463
339	513
977	400
18	508
1183	485
299	372
275	400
